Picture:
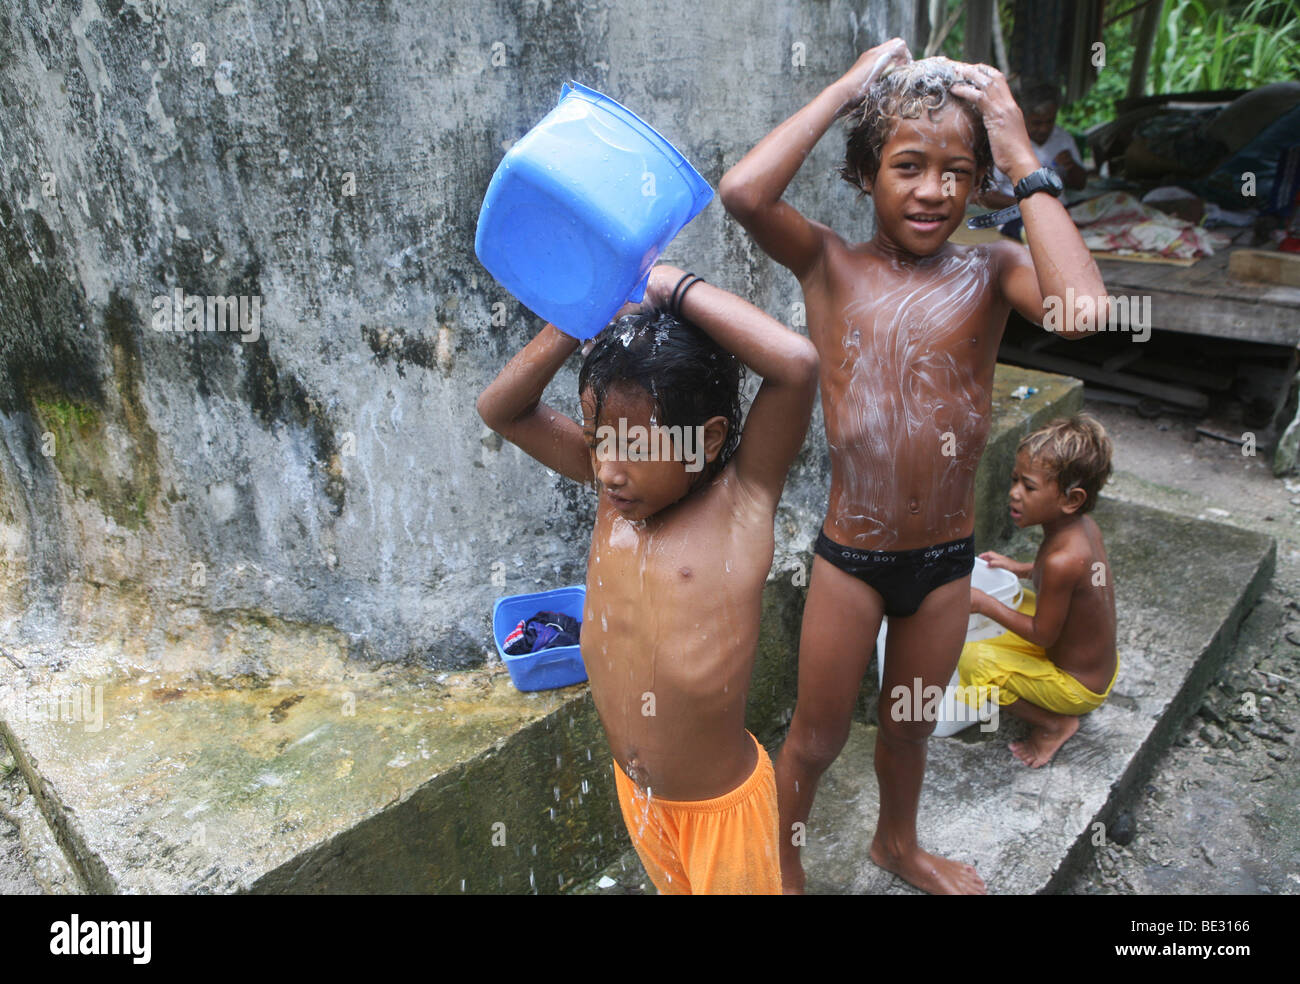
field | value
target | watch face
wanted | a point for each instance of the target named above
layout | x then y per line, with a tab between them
1044	179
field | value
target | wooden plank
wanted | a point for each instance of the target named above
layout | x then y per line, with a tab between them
1041	341
1125	271
1265	266
1187	374
1155	259
1209	278
1206	300
1125	358
1089	373
1224	318
1140	276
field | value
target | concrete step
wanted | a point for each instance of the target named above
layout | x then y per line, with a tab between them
315	772
31	861
1183	587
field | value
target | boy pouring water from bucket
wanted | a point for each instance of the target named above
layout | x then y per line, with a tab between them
679	555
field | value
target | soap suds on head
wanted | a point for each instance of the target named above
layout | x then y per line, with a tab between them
912	91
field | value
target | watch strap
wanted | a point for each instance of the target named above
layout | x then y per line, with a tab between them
990	219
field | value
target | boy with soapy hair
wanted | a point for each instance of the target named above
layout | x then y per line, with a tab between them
679	556
907	326
1057	659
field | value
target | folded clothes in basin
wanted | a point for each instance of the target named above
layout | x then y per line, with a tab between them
545	630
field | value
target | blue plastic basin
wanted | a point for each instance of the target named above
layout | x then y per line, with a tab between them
581	207
547	668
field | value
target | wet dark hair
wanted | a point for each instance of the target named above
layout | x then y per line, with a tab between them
903	93
688	375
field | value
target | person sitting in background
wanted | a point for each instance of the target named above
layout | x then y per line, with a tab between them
1053	146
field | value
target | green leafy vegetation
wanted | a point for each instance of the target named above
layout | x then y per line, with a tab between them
1199	44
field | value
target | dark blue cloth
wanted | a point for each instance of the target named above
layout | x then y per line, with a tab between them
545	630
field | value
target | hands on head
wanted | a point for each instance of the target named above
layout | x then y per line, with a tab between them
869	68
985	88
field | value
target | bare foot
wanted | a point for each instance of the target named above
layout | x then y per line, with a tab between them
1042	743
929	872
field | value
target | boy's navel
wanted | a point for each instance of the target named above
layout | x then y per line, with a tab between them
913	505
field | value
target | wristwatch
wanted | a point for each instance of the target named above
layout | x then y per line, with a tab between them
1044	179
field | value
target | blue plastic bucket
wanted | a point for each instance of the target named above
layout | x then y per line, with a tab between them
581	207
560	666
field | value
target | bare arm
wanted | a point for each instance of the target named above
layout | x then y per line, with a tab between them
1057	257
751	191
1061	573
511	405
787	362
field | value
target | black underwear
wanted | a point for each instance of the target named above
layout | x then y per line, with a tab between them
903	577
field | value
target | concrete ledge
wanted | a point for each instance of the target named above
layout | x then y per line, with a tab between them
1183	587
1057	396
302	769
384	781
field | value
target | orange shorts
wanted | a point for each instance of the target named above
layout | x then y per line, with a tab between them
721	846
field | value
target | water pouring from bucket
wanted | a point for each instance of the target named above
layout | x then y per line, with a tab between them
581	207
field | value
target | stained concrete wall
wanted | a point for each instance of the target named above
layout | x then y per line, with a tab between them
174	490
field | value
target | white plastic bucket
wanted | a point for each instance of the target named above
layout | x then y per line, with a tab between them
954	715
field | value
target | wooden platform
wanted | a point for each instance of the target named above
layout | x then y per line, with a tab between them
1205	299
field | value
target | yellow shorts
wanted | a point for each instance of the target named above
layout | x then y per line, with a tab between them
721	846
1018	668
